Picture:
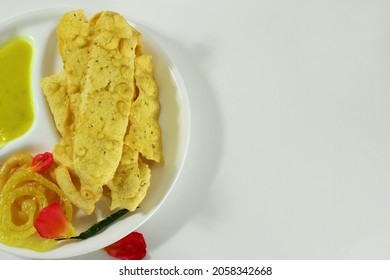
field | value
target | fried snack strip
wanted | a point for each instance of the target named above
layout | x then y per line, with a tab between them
101	118
145	133
74	42
62	92
132	178
138	181
54	89
61	89
105	105
131	181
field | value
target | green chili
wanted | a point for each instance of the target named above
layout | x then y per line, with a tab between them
96	228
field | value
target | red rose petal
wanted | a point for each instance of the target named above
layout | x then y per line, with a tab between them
52	223
42	162
130	247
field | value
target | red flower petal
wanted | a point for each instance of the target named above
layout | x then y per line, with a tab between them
42	162
130	247
52	223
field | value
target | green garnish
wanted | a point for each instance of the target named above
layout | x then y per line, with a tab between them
96	228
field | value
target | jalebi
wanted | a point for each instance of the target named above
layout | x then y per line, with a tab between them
23	194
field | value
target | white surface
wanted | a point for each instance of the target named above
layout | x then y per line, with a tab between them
289	155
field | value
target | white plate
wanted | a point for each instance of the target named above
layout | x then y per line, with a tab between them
174	120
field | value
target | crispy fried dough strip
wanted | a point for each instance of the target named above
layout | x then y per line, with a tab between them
132	178
62	90
73	45
54	89
74	42
126	181
102	116
145	133
119	200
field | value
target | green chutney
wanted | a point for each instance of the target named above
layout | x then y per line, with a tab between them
16	98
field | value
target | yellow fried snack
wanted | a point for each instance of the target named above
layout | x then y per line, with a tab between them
126	178
102	116
145	133
140	183
132	179
54	88
63	89
105	105
74	40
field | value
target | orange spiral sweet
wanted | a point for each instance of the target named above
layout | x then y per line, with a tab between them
23	194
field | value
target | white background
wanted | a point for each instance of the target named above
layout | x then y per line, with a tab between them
289	155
